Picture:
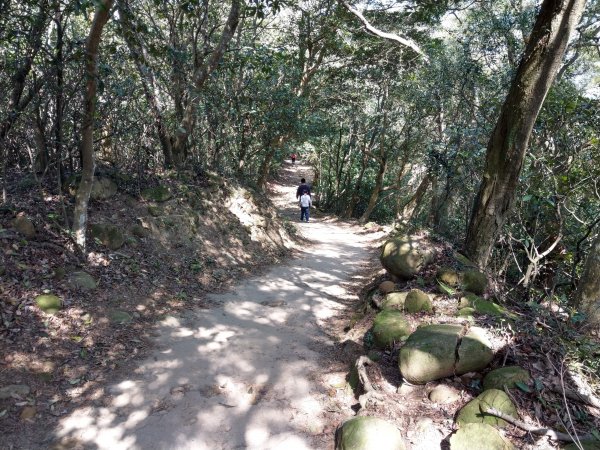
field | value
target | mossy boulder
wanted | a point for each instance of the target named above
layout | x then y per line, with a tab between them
449	277
394	300
157	194
82	280
480	436
103	189
405	256
389	326
110	235
473	412
443	394
505	376
474	281
24	226
368	433
386	287
417	301
119	317
475	351
48	303
430	353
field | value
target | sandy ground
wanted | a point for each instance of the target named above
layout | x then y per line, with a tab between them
246	372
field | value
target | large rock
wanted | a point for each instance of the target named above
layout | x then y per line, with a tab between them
394	300
430	353
474	281
157	194
109	235
82	280
24	226
475	351
103	189
368	433
48	303
443	394
386	287
14	390
405	256
505	376
473	412
417	301
389	326
479	436
449	277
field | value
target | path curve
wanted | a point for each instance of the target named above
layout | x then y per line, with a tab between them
243	374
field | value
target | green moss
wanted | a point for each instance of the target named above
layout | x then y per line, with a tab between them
389	326
48	303
505	376
417	301
472	412
157	194
473	436
474	281
368	433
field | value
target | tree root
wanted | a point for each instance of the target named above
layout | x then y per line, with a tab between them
370	393
540	431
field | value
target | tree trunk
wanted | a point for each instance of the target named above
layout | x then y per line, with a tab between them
200	77
355	192
143	67
409	209
376	191
510	137
587	297
82	197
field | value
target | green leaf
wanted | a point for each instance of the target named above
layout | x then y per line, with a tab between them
527	197
523	386
445	288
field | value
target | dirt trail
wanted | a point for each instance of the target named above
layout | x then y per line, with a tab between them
244	373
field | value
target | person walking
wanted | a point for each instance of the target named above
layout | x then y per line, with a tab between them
293	157
305	204
302	189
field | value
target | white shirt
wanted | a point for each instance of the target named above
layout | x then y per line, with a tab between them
305	201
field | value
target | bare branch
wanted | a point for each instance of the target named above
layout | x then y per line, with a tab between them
382	34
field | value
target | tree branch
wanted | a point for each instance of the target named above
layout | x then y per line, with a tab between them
382	34
555	435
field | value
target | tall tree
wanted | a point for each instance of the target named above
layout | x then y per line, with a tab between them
509	140
587	297
82	197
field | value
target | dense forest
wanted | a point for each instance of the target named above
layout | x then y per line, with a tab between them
476	119
473	122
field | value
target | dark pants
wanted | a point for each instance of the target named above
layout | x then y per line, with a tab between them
304	211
